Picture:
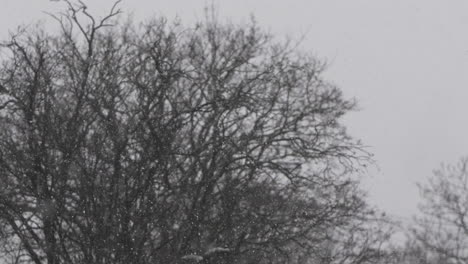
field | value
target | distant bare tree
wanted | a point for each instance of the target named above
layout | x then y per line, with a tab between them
441	233
168	144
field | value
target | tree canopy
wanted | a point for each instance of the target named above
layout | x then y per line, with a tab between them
160	143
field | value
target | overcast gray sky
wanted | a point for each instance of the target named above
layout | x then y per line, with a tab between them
406	61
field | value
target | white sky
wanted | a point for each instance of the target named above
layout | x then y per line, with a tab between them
406	62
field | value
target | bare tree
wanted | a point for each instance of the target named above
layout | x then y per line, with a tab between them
167	144
440	233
